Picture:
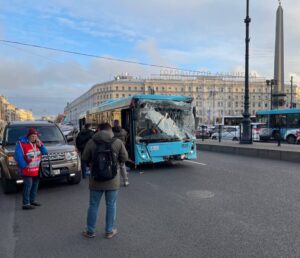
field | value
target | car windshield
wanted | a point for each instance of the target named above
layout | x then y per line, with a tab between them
164	121
47	134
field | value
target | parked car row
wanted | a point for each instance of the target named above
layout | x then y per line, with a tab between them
259	133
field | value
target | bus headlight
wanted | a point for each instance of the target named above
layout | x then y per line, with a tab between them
143	153
72	155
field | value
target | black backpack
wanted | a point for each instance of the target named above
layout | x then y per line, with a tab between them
105	164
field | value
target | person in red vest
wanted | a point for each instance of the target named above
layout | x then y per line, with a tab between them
28	155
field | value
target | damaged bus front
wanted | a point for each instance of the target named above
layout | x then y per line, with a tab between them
164	129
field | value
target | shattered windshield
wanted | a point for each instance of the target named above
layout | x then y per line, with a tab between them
164	121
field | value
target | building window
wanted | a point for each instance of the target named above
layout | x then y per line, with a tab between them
117	87
117	95
129	88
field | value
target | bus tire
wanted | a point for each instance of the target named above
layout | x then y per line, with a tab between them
291	139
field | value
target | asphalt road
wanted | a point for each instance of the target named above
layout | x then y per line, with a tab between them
224	206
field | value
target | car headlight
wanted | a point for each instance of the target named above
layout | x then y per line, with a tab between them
11	161
71	155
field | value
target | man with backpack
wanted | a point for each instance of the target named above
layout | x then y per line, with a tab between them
103	154
81	140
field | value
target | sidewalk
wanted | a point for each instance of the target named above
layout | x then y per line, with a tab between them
286	152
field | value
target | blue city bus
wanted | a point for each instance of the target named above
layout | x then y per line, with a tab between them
287	121
160	127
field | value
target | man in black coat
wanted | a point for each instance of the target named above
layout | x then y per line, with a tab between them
81	140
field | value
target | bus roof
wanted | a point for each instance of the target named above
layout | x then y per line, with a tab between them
278	111
123	102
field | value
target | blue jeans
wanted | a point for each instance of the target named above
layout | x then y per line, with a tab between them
111	209
30	187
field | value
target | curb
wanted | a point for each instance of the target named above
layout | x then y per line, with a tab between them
284	155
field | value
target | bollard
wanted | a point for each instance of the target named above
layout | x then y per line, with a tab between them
219	131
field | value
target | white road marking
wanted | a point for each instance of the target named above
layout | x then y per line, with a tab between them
202	164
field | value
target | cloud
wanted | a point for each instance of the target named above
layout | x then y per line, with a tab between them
191	34
47	89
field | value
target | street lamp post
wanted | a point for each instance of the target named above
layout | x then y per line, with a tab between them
246	122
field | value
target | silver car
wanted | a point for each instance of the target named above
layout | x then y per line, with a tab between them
228	133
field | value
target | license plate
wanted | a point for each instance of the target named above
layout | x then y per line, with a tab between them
56	172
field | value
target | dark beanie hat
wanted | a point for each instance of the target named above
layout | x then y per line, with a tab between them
32	131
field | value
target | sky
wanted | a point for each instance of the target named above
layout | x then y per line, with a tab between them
201	35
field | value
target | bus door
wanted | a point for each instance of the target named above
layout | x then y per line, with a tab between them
127	123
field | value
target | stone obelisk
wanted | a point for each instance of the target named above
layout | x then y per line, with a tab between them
278	97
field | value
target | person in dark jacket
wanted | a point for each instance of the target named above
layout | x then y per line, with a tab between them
28	155
121	134
109	188
81	140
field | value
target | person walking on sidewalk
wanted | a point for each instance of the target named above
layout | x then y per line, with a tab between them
101	150
81	140
121	134
28	155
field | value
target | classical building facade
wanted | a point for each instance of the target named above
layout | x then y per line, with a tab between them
214	96
9	112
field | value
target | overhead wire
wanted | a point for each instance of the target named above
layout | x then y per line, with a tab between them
197	73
